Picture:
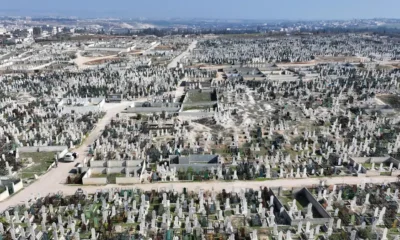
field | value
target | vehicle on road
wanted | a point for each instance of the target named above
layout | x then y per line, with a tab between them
69	157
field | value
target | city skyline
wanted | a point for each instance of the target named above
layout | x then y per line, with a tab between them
223	9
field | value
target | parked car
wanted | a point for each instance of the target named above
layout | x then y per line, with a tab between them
69	157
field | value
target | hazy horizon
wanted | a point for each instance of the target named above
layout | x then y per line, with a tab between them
207	9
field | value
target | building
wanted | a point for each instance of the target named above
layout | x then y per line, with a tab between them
197	162
114	98
81	105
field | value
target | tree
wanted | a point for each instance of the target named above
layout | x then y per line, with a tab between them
338	236
37	31
153	154
365	233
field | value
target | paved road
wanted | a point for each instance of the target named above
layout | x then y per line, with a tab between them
175	61
53	180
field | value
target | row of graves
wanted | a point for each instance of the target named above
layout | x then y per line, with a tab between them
343	48
36	57
59	109
320	212
40	122
296	129
34	134
343	122
44	123
131	81
37	127
140	148
169	48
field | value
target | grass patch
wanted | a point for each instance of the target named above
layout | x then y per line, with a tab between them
261	179
199	96
289	200
111	178
367	165
41	162
196	108
385	173
98	175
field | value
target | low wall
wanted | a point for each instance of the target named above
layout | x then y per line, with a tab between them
14	185
157	105
195	166
51	166
127	180
18	186
87	180
94	181
313	221
97	164
199	104
317	206
151	109
359	159
100	170
4	195
115	170
396	163
86	160
133	163
81	109
62	149
379	159
197	114
278	206
115	164
371	173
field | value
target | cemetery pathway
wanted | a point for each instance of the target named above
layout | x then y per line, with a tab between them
175	61
53	181
144	52
80	60
50	183
229	185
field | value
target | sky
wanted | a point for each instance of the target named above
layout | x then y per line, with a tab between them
210	9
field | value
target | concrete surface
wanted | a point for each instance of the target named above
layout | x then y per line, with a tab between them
175	61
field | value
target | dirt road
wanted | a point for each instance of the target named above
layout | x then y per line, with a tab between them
175	61
48	184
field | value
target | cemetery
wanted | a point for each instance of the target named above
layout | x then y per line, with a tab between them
370	210
155	111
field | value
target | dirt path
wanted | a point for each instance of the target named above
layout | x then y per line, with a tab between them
80	61
175	61
49	184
